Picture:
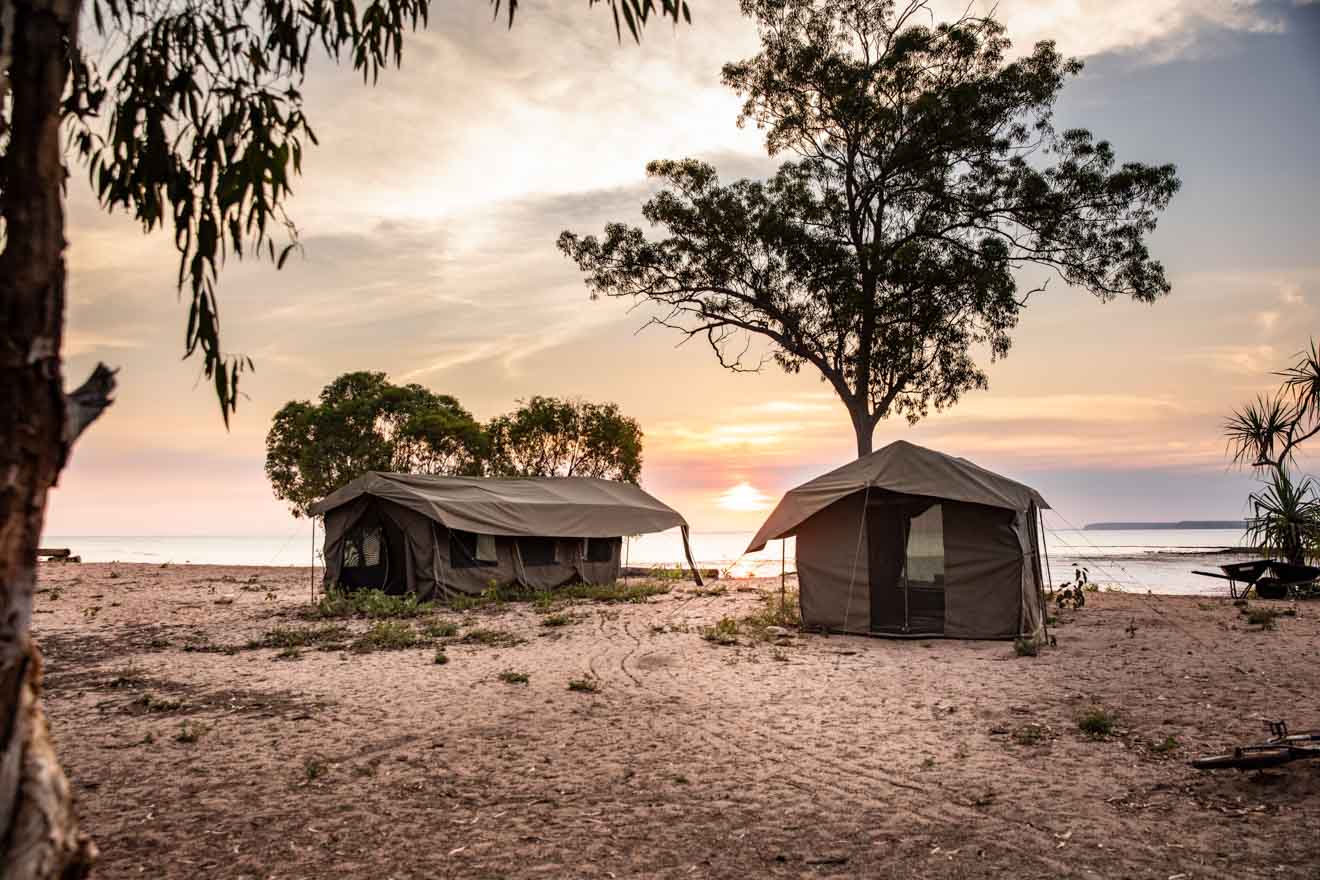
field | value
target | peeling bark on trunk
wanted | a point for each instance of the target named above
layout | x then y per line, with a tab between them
39	829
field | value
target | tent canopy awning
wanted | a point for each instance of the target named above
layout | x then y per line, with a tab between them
565	507
899	467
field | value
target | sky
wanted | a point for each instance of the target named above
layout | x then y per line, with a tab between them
429	213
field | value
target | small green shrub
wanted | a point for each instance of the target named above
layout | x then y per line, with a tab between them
191	731
1096	722
314	768
387	635
300	637
491	638
440	629
495	596
587	684
371	604
776	611
668	573
556	620
615	592
509	676
1164	746
1261	617
1026	647
441	658
724	632
1072	594
151	703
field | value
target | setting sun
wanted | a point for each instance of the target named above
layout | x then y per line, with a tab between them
744	497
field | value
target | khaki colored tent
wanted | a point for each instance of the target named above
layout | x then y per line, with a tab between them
909	541
438	536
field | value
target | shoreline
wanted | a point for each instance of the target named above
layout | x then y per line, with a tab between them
1105	580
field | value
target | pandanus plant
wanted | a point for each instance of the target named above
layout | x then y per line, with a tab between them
1265	434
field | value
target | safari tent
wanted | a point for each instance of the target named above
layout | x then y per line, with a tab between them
441	536
907	541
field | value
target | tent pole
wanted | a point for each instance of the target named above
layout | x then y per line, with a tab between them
1045	547
313	573
783	572
1044	611
627	545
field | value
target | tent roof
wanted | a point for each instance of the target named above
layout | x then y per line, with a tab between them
564	507
899	467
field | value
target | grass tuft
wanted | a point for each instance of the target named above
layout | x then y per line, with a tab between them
724	632
1164	746
615	592
314	768
387	635
370	604
288	637
191	731
151	703
588	684
1026	647
776	612
491	638
440	629
1096	722
1261	617
560	619
1031	734
509	676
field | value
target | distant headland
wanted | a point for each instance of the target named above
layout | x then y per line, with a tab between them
1182	524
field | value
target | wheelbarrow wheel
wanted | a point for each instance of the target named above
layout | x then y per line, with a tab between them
1271	588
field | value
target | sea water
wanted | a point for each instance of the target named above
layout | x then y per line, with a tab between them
1158	560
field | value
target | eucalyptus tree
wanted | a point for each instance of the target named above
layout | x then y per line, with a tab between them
549	437
363	422
1266	435
189	115
924	175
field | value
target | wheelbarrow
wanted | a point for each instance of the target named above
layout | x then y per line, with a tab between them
1271	579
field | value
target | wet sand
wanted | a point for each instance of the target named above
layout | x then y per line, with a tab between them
825	757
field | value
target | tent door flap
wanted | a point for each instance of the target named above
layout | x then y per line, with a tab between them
906	549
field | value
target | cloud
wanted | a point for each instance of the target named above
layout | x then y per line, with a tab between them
1159	30
82	342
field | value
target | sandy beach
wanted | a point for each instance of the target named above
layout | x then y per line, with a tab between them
196	754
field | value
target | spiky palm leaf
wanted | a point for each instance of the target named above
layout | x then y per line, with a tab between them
1255	430
1302	382
1285	519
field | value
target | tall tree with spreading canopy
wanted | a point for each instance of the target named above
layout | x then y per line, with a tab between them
188	114
548	437
927	175
363	422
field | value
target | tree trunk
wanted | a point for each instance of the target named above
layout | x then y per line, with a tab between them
37	820
863	427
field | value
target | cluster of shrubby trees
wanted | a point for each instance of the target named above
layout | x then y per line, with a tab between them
363	422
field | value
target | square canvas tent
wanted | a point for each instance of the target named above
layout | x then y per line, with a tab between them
909	541
438	536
